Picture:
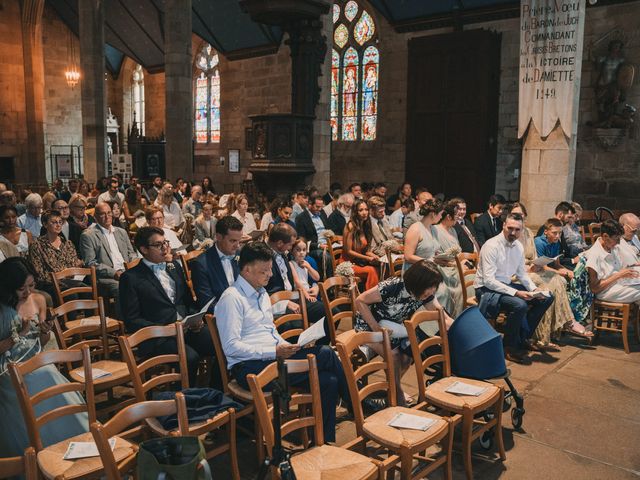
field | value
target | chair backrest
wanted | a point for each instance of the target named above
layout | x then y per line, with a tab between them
92	288
347	343
221	360
335	252
467	276
422	359
93	335
307	419
294	296
395	266
330	292
185	259
131	264
27	402
138	371
25	465
473	217
594	231
121	421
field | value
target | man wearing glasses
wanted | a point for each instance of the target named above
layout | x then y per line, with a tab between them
155	292
629	243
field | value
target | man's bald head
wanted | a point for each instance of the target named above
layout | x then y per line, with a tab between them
631	224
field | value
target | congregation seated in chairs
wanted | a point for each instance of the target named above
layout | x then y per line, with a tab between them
398	327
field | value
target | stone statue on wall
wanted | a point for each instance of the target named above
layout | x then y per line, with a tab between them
615	78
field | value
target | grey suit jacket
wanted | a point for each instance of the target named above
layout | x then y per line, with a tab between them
410	219
94	250
380	236
202	232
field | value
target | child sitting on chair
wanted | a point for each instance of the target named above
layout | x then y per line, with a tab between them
304	270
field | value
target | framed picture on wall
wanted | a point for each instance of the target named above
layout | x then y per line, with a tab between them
234	161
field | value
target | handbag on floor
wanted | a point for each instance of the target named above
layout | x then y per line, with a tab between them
172	458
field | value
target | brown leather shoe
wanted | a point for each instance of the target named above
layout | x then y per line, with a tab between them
515	356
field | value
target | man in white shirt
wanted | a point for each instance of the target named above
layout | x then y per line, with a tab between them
31	219
112	194
251	342
107	248
501	258
629	241
193	206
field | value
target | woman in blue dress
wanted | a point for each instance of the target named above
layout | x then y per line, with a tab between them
23	331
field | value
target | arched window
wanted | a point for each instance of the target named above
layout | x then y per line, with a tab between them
137	98
355	69
207	96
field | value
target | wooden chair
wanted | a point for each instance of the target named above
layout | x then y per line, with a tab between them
322	459
331	292
471	408
70	273
403	445
395	266
97	340
142	388
335	252
231	387
131	264
116	469
615	317
50	459
594	231
185	259
473	217
467	276
25	465
281	322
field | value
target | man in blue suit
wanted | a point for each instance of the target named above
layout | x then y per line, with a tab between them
217	269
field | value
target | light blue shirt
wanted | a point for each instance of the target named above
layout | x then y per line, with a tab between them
31	224
320	228
245	324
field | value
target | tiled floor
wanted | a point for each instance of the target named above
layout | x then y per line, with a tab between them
582	419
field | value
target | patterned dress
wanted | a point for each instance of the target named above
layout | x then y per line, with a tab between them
397	305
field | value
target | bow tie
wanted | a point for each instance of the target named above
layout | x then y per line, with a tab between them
159	267
227	257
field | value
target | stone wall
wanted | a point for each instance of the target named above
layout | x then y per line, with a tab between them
608	177
63	111
13	128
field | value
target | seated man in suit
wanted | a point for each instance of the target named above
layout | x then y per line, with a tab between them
251	342
155	292
380	227
342	214
422	197
281	240
311	224
565	212
107	248
216	270
489	224
464	227
501	258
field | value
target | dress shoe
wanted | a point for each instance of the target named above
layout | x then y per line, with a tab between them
516	356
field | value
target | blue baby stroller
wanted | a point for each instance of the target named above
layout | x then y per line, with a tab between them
476	352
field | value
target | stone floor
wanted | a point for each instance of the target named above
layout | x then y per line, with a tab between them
582	419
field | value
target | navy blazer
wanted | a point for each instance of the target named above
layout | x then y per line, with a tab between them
306	228
208	277
484	228
466	244
337	222
276	282
145	303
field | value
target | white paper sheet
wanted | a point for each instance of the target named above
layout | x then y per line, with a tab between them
95	373
541	294
412	422
313	333
85	449
461	388
93	322
196	318
279	308
397	330
79	278
543	261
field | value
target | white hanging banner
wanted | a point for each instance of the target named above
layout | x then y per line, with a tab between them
551	39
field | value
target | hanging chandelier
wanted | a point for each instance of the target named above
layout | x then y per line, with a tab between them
72	72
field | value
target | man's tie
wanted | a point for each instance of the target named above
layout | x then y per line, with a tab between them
159	267
476	247
382	230
227	257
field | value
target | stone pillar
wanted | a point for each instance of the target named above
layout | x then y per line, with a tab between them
548	168
93	88
179	89
34	167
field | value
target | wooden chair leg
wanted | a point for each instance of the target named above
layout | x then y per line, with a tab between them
258	433
406	464
497	411
233	451
467	428
637	324
625	332
448	451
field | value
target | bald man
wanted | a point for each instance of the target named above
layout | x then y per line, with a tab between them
629	243
421	198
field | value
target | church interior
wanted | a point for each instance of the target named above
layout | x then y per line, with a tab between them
502	103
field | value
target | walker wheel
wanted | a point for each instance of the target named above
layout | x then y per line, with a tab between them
516	417
486	440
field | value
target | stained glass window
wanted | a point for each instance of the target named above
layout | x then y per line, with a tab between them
207	96
137	98
355	69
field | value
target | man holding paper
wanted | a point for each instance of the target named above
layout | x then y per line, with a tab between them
502	257
251	342
548	248
155	292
